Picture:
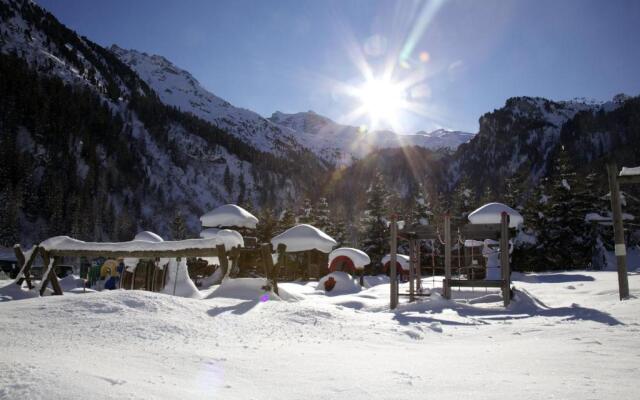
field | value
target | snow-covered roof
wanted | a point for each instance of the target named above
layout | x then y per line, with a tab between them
630	171
492	213
67	243
229	215
148	236
359	257
304	237
403	260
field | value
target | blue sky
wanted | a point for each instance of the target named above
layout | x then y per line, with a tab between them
461	58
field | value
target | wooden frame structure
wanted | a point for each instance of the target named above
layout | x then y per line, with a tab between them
414	233
618	227
50	258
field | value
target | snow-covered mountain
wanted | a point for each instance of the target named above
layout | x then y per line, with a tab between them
527	131
347	143
334	143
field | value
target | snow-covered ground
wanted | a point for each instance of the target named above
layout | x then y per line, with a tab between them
566	335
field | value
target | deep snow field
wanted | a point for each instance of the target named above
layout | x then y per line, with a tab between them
565	336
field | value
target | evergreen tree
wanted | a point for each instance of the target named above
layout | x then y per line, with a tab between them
421	207
376	238
287	220
305	213
228	180
242	188
178	227
320	215
267	225
463	200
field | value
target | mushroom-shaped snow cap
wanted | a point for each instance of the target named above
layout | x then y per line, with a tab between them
304	237
359	258
227	216
148	236
492	214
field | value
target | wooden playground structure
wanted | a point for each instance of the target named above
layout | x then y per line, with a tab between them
416	233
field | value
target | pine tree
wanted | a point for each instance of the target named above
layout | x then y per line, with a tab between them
287	220
421	210
228	180
305	213
463	200
267	225
178	227
320	215
242	189
376	238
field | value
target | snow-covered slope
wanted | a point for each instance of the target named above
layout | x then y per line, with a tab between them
333	142
177	87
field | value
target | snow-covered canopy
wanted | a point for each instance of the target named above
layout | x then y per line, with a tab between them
630	171
227	216
492	213
67	243
148	236
606	219
359	257
403	261
304	237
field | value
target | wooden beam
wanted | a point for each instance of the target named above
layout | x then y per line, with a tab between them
618	231
447	256
480	231
418	268
151	254
25	269
627	179
475	283
393	292
417	231
504	258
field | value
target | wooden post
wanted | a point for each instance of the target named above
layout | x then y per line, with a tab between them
418	267
412	275
393	267
25	268
447	256
504	258
267	261
618	231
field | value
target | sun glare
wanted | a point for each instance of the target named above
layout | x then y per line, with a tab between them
381	100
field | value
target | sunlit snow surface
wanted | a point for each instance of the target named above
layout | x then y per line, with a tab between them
566	335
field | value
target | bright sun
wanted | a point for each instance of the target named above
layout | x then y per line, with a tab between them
382	100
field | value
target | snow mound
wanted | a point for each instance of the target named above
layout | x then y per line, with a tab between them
244	289
229	215
492	213
14	292
70	282
178	281
403	261
371	281
359	257
304	237
222	235
345	284
148	236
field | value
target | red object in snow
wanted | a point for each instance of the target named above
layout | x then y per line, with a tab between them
329	284
342	263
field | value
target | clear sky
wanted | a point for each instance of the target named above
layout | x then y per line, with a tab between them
455	59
